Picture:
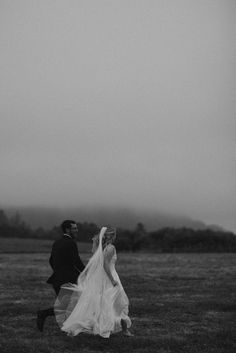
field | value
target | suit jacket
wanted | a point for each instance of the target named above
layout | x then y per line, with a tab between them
65	262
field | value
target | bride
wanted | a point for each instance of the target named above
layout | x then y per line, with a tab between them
97	304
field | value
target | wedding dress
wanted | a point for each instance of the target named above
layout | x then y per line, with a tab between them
93	305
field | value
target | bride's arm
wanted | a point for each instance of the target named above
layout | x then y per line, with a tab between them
108	254
95	243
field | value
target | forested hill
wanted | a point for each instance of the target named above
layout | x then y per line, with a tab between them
119	217
166	239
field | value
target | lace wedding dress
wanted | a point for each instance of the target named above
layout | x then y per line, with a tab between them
93	305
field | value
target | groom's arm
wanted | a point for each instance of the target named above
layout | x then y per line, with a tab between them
50	261
109	252
78	264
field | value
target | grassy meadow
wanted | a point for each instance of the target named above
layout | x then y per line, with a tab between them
178	303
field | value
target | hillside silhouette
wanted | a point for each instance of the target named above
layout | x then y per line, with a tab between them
47	218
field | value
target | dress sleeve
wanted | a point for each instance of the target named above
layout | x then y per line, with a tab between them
109	252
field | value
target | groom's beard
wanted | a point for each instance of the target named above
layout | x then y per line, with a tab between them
73	236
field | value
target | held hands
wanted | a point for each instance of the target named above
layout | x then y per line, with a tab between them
114	283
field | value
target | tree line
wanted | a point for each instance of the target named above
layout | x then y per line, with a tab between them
162	240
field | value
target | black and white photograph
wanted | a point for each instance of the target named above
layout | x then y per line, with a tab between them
118	176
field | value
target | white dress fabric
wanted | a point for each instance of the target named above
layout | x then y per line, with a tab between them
93	305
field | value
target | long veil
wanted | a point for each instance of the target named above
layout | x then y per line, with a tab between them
73	303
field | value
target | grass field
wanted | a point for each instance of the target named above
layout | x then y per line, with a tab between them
178	303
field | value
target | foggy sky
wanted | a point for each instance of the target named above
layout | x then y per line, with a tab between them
120	103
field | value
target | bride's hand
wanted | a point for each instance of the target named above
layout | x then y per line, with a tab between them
115	283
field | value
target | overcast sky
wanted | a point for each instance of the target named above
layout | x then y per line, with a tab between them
120	103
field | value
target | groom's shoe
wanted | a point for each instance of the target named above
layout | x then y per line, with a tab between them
40	320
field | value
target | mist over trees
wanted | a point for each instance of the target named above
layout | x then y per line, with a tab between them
123	217
167	239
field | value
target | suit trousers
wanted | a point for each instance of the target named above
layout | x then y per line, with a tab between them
50	311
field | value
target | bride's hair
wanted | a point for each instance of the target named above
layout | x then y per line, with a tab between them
110	234
111	231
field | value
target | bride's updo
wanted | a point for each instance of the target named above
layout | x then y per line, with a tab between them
108	237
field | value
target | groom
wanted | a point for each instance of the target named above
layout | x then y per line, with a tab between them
66	265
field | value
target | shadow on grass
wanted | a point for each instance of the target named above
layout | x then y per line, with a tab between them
116	343
120	344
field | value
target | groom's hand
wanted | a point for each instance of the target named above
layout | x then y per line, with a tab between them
115	283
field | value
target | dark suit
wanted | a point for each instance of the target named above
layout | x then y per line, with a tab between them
65	262
66	265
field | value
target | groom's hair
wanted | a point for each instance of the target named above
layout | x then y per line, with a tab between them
67	224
